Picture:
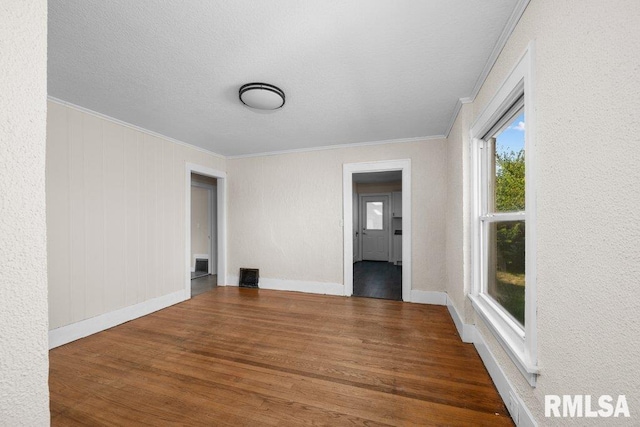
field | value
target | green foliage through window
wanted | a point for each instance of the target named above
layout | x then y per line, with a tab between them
510	236
509	181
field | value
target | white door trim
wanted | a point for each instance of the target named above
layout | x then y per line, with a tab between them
348	169
221	228
357	253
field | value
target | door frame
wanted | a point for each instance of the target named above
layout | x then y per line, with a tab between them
213	228
362	220
221	229
357	253
348	169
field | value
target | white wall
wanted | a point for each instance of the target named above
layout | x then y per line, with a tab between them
200	223
115	213
24	393
588	152
458	246
285	212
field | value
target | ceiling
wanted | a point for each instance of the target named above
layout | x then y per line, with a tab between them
354	71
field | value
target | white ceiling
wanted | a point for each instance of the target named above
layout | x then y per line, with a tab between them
353	71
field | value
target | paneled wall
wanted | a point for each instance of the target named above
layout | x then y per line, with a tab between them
115	214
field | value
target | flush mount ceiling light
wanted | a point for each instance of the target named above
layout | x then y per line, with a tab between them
262	96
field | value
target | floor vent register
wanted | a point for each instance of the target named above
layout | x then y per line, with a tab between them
249	277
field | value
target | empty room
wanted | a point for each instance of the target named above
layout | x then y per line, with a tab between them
319	213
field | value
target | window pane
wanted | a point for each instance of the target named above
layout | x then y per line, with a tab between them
507	176
374	216
506	278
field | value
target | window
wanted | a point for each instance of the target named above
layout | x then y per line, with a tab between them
503	255
374	216
502	216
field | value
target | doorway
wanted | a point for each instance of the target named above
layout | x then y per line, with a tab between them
377	236
205	235
377	270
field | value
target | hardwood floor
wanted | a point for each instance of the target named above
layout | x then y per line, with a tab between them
235	356
377	279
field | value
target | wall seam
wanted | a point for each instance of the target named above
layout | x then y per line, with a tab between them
104	216
69	260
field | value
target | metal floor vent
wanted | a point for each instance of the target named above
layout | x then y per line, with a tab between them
202	264
249	277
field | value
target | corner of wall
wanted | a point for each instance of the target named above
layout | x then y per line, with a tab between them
470	333
24	394
517	408
132	222
465	331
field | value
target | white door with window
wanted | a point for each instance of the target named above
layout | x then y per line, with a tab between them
375	228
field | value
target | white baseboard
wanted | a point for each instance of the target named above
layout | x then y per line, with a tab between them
466	332
324	288
469	334
83	328
517	408
428	297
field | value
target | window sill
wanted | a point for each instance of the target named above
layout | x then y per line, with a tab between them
511	339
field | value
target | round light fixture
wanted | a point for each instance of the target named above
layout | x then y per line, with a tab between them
262	96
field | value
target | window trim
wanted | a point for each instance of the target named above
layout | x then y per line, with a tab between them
519	343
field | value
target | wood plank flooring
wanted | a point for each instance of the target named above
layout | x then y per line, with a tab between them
235	356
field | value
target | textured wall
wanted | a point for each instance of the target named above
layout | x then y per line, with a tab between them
285	212
115	213
458	221
588	151
24	395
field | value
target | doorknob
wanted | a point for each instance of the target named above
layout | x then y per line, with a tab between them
364	232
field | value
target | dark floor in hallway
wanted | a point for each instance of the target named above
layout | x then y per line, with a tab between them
377	279
197	274
203	284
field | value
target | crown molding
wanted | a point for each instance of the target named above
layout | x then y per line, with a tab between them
337	146
131	126
454	115
240	156
513	20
